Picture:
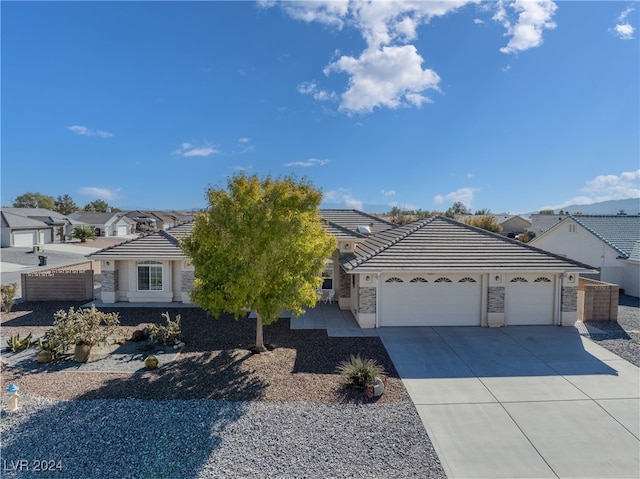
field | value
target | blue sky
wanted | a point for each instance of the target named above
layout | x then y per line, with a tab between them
512	106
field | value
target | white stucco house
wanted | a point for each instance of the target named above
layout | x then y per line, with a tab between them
608	242
433	272
106	224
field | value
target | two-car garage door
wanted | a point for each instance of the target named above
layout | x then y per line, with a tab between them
456	300
430	300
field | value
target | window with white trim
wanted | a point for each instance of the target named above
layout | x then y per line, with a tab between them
150	276
327	275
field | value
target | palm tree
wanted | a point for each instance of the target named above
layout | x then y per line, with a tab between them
84	233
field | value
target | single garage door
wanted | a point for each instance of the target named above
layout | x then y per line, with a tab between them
23	238
122	231
529	300
431	300
45	236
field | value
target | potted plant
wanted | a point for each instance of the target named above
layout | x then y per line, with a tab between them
83	328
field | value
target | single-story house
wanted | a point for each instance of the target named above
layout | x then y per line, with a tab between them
512	225
151	268
159	220
106	224
541	223
432	272
608	242
26	227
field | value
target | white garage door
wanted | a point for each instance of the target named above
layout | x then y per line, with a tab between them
122	231
23	238
529	300
430	300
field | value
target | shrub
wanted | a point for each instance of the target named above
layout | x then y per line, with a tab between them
166	334
8	292
151	362
82	326
16	344
360	372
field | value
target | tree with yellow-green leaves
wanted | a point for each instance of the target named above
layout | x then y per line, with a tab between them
486	222
259	246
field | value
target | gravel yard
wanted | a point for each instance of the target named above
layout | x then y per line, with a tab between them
219	411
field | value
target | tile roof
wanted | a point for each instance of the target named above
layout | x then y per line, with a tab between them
635	252
621	232
158	246
95	217
343	224
444	244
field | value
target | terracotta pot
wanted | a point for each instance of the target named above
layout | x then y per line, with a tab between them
81	353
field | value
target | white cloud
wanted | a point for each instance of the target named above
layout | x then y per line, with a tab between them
307	163
84	131
388	73
391	76
605	188
478	21
388	192
187	150
534	16
464	195
243	146
623	28
100	193
311	88
344	197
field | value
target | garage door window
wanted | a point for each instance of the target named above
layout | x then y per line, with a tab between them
418	280
394	280
542	279
467	280
519	279
150	276
443	280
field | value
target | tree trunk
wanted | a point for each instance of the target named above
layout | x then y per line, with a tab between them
259	338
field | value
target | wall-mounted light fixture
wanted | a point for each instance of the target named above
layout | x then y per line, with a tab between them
497	277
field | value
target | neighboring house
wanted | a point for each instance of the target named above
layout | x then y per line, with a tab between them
26	227
608	242
512	225
541	223
159	220
152	268
432	272
106	224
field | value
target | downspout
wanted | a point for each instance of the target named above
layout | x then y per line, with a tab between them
377	300
558	311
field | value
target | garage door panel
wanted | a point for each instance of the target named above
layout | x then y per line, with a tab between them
23	238
530	301
430	304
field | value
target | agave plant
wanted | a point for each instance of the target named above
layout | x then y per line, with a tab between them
360	372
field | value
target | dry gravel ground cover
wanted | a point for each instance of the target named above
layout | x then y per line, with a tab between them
215	363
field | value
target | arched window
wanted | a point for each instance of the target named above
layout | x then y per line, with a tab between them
443	280
519	279
466	279
394	280
149	276
419	279
542	279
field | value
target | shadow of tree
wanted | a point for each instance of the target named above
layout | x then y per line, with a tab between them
115	431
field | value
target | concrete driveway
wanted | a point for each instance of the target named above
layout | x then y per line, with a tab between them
521	402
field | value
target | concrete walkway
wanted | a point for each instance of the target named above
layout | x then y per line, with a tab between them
521	402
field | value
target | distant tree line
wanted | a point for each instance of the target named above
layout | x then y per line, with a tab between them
63	204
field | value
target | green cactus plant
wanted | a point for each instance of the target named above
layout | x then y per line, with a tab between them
16	344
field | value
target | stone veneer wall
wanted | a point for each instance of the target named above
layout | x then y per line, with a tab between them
367	299
345	284
569	299
188	278
496	299
109	280
597	300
